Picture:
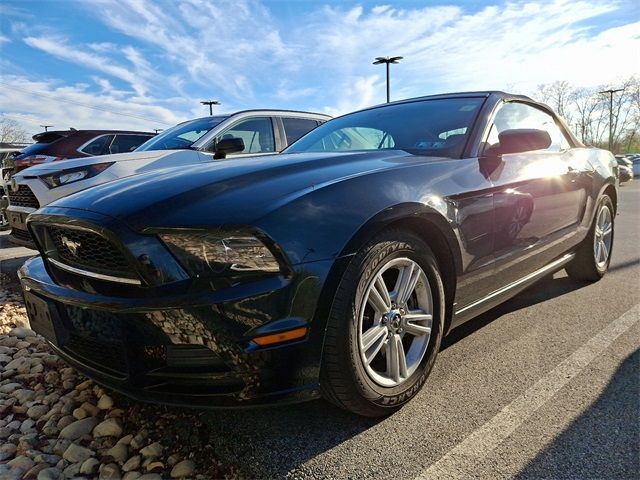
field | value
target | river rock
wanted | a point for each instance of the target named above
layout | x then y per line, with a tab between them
89	466
78	428
49	473
111	427
105	402
37	411
185	468
152	450
9	387
7	451
22	463
118	452
80	413
72	470
90	408
110	471
77	454
132	464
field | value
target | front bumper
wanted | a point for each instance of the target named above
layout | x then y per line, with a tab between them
191	349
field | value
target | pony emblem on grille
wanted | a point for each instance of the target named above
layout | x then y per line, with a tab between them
71	245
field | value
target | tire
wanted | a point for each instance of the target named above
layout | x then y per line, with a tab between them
590	263
362	369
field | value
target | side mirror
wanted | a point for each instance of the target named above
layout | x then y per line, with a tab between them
523	140
227	146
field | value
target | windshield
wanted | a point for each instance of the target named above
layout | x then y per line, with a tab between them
426	127
33	149
182	135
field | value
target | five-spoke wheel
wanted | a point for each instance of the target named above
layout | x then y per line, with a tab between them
395	320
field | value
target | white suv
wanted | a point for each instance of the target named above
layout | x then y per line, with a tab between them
246	133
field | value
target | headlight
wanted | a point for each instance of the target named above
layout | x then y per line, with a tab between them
219	254
71	175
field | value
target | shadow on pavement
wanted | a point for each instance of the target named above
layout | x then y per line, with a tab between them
542	291
623	265
600	443
269	442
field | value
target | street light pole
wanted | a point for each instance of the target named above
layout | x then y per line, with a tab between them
46	127
210	103
387	61
611	92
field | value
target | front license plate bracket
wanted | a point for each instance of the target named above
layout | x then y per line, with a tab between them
44	318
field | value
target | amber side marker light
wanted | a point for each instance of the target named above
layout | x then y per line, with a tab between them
281	337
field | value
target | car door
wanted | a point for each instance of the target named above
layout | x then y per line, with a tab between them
539	195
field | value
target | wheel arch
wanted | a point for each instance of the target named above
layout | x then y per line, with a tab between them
425	222
612	192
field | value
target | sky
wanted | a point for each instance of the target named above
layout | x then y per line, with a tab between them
137	64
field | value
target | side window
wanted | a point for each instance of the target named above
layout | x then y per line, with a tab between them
98	146
257	134
294	128
126	143
519	115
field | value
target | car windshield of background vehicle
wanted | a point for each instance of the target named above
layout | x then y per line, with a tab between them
33	149
182	135
428	127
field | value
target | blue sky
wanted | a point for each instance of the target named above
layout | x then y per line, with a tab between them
147	64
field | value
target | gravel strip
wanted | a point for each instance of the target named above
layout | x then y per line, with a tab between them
56	424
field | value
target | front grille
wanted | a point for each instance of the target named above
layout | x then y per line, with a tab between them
96	338
24	197
103	356
87	249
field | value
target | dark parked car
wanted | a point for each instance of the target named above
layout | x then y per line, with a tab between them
625	168
334	269
62	144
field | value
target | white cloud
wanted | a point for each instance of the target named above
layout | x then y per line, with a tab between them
448	49
137	74
39	102
225	45
170	55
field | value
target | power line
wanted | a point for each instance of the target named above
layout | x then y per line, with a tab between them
73	102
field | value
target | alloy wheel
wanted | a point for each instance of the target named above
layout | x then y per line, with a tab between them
394	326
603	236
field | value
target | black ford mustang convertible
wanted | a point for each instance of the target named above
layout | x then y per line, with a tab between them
334	269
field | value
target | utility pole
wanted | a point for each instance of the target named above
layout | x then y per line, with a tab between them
210	103
387	61
158	129
46	127
611	92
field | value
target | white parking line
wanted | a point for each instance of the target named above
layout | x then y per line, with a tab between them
495	431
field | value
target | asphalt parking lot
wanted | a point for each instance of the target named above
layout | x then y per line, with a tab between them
544	386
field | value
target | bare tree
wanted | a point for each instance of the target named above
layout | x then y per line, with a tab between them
587	112
11	132
558	95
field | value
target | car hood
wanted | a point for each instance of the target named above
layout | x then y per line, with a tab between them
47	168
228	192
